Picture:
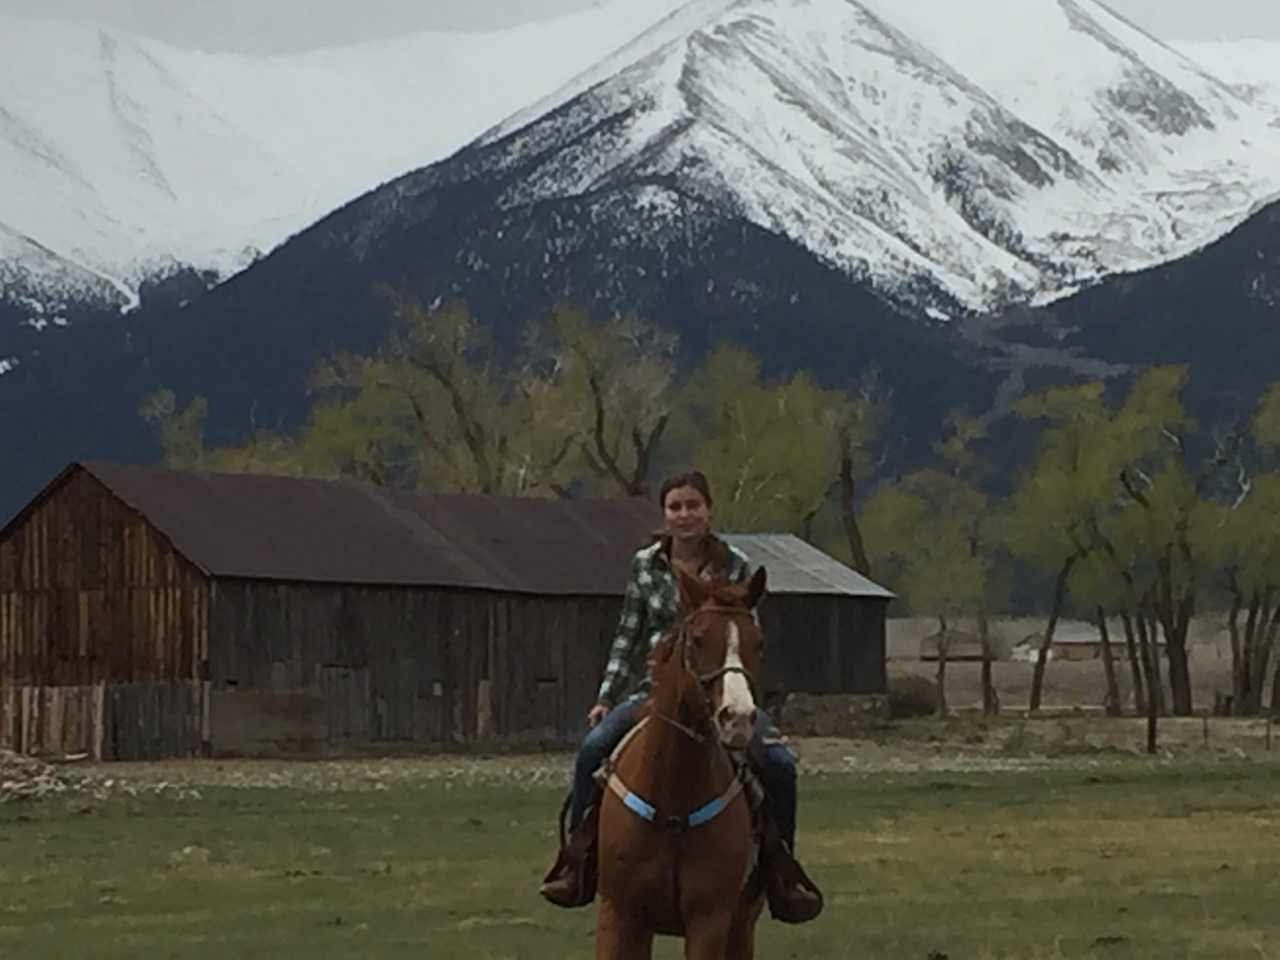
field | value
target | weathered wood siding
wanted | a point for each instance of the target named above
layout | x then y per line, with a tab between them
92	595
311	667
824	644
113	644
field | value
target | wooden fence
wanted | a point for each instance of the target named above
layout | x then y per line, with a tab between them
122	721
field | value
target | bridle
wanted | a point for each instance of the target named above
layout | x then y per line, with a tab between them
710	810
704	680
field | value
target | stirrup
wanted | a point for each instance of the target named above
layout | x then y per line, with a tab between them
787	879
565	884
571	881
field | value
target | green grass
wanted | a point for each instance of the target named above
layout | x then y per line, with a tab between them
1136	861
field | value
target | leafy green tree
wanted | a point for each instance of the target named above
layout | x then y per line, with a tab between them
180	432
1056	507
1250	534
608	388
927	535
778	453
1167	511
1095	586
435	409
1122	484
769	449
1248	527
963	435
1266	424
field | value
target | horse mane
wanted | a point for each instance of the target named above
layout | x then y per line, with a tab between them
723	593
726	593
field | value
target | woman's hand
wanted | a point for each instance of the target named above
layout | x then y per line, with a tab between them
597	714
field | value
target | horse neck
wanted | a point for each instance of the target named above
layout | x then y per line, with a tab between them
677	771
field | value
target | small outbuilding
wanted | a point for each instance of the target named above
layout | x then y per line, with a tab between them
1076	640
962	646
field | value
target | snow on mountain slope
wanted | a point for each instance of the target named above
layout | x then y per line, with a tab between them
110	162
28	270
1251	66
994	151
991	152
129	157
354	117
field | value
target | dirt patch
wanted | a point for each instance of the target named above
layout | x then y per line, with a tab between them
840	715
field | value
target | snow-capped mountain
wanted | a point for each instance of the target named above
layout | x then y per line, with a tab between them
122	157
985	151
982	151
820	181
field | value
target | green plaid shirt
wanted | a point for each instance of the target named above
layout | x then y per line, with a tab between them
651	606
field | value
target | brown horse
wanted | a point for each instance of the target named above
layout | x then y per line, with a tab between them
676	841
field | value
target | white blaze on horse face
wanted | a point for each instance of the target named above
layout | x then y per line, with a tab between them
737	713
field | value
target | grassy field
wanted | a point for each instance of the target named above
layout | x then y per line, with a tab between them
936	848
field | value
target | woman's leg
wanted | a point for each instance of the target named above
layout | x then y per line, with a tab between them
793	897
571	881
600	741
777	771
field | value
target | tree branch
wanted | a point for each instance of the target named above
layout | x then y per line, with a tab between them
848	511
442	449
608	461
473	432
1137	495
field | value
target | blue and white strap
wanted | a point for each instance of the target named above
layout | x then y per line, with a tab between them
646	811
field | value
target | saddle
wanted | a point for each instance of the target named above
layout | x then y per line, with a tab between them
774	870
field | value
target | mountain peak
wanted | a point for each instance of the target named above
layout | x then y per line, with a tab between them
985	152
995	154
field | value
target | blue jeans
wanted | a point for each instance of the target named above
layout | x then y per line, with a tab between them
778	777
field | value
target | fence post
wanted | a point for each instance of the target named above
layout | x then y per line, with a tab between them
96	712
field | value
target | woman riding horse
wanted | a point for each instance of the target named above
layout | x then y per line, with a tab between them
650	609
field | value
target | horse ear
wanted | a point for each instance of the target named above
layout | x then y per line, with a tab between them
756	588
693	592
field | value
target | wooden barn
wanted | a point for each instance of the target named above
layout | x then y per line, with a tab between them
149	613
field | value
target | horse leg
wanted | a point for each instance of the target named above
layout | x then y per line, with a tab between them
707	938
620	936
742	936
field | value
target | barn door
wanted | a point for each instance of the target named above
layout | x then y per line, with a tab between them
346	694
393	696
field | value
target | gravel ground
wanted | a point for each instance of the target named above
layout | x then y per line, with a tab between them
962	745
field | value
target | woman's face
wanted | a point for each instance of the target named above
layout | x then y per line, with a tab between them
688	514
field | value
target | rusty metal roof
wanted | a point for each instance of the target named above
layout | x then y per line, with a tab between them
334	531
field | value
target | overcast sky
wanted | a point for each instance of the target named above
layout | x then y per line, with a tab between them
299	24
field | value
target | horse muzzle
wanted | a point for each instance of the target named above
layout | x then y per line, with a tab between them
736	726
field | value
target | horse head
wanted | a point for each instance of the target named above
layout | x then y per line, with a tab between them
717	651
